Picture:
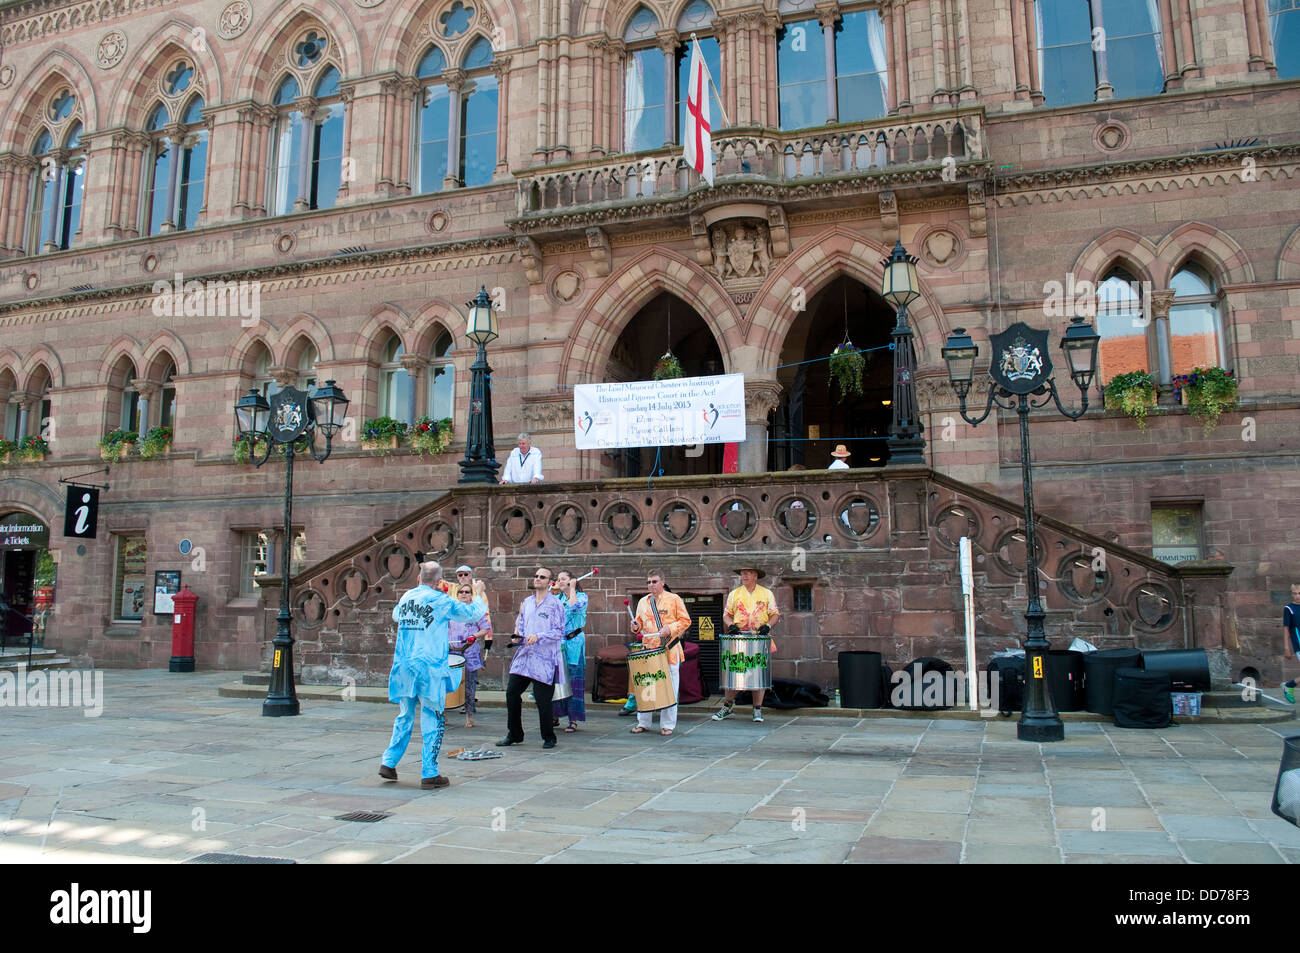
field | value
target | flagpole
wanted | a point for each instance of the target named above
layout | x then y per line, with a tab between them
717	92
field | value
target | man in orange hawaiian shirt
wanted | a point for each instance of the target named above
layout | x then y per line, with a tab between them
661	620
750	608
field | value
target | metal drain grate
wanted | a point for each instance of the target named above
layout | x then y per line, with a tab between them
364	817
237	859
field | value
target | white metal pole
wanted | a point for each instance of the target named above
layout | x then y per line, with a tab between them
968	603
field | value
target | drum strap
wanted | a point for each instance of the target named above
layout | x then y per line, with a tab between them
654	609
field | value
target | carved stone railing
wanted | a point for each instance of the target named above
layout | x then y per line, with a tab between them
875	551
877	147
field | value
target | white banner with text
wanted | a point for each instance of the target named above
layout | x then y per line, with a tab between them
681	412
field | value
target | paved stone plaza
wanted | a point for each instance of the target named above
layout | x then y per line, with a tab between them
171	770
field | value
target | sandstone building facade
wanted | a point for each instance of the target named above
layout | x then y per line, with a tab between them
340	177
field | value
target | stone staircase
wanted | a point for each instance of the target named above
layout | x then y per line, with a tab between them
12	657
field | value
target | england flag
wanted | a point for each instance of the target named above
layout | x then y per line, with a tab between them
698	150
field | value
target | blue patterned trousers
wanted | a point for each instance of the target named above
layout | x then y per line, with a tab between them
432	724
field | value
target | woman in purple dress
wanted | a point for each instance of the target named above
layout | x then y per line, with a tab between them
465	639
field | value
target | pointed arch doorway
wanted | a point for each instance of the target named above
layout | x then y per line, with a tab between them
812	417
665	323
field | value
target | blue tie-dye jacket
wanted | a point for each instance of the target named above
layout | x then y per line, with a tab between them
420	658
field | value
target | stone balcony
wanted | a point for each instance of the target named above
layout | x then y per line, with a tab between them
809	169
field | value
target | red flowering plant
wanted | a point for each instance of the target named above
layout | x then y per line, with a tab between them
429	436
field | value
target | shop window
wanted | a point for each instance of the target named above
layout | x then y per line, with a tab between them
130	585
1176	532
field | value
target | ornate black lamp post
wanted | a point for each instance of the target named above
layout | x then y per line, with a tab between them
480	463
900	288
290	420
1022	366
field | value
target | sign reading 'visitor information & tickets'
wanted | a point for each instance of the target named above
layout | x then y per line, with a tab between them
685	411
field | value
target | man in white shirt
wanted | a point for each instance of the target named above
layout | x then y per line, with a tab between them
840	453
524	464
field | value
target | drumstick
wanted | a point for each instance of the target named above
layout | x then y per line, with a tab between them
594	572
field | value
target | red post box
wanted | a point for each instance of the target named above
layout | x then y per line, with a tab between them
184	604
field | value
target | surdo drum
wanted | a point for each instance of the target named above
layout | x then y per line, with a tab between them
456	663
745	661
650	681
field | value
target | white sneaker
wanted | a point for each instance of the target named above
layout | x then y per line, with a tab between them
726	711
758	714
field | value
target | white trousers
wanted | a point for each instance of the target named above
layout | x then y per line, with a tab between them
667	716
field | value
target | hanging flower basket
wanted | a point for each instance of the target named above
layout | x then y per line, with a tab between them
429	437
1134	394
246	449
846	367
1207	392
156	442
668	368
117	444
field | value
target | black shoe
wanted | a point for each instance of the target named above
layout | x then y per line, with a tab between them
387	773
428	784
549	743
507	741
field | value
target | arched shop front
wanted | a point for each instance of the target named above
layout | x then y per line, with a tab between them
27	578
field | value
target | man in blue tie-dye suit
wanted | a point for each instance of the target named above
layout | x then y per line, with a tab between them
420	671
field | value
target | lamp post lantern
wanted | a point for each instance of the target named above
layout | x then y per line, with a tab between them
900	288
291	421
1021	367
480	464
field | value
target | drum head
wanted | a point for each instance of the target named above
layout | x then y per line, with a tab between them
455	661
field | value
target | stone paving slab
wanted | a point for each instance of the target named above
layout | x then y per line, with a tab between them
835	787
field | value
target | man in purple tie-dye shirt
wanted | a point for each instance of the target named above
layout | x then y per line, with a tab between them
539	632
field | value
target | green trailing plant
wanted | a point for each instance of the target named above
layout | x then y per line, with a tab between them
33	448
430	436
846	367
111	444
382	434
668	368
1208	391
246	448
157	441
1134	394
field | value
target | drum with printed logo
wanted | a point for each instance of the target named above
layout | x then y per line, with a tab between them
457	665
745	662
649	679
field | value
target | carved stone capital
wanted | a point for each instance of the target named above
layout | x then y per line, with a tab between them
602	254
454	78
828	11
500	68
761	398
146	389
668	40
530	254
1161	302
284	375
407	86
413	364
700	235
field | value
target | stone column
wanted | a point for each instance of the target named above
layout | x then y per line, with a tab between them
668	41
349	161
455	80
146	390
23	400
306	107
264	123
501	69
390	126
415	366
827	14
600	142
761	398
175	143
1104	89
1161	302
